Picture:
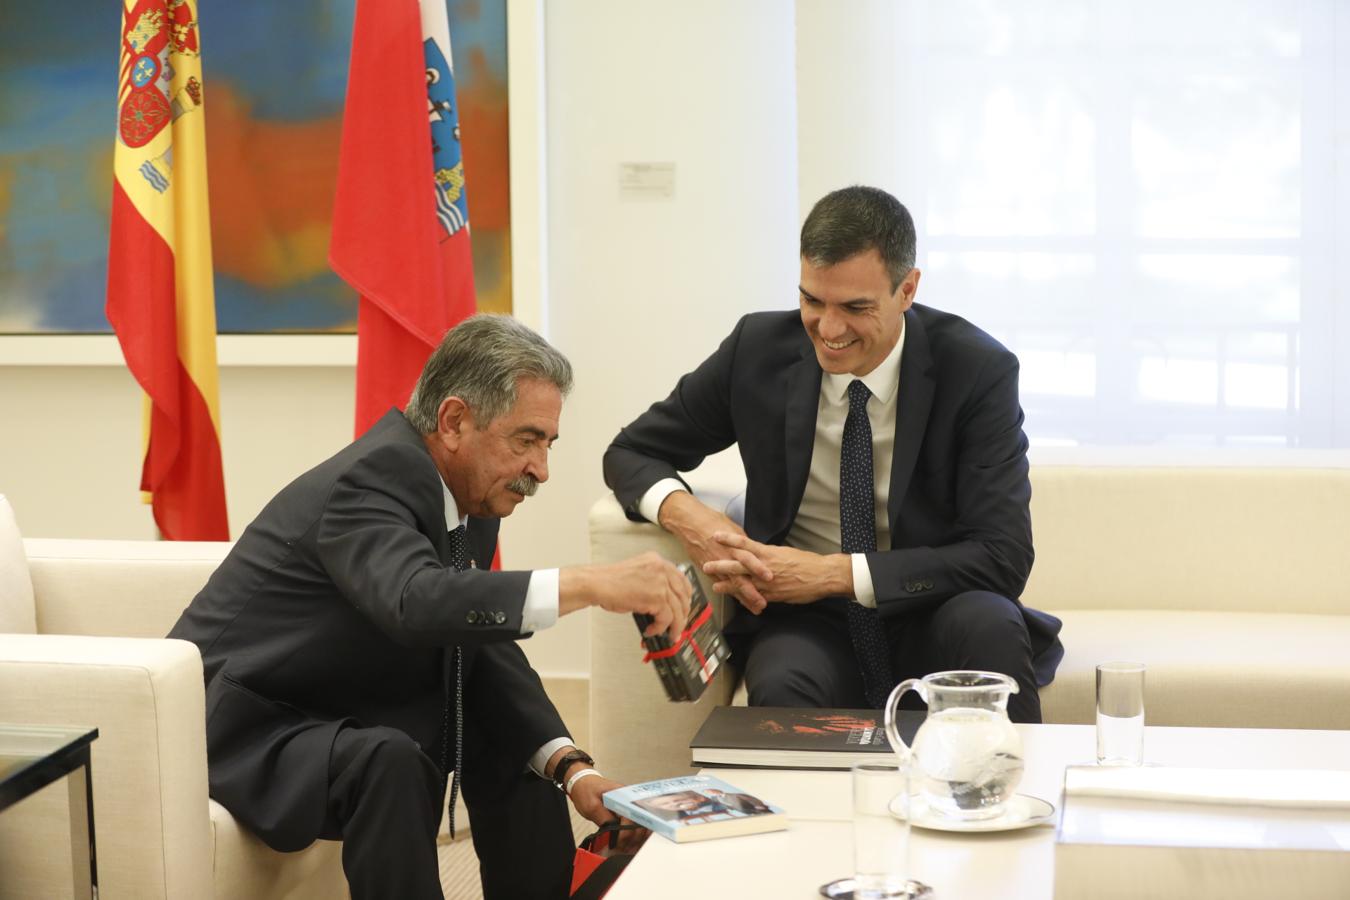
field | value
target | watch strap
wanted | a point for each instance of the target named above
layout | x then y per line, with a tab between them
569	759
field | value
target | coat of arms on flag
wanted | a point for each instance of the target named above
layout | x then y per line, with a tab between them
447	157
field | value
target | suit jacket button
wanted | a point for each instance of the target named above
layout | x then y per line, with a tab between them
909	587
928	585
500	617
471	617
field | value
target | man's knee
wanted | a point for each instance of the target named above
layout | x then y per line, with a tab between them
982	615
984	630
788	687
802	670
382	755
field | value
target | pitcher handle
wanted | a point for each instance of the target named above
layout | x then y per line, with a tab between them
893	706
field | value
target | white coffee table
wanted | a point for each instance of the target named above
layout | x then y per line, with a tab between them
817	847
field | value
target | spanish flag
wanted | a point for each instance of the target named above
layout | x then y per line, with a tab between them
400	213
161	301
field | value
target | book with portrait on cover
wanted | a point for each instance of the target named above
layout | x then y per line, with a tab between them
695	808
790	738
687	668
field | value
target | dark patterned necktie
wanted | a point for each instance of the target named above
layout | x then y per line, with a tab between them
459	558
858	534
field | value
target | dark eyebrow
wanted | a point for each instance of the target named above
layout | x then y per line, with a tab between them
535	432
854	302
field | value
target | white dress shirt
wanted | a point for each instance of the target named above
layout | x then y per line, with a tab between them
541	611
816	528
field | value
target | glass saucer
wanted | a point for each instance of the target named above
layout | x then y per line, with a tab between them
842	889
1022	811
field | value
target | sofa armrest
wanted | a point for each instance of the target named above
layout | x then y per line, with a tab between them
636	734
117	588
146	698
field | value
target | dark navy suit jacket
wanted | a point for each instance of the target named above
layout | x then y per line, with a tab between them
959	493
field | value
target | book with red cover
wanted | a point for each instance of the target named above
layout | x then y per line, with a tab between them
789	738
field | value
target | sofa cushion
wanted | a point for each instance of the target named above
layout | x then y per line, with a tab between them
16	588
245	868
1212	669
117	588
1244	539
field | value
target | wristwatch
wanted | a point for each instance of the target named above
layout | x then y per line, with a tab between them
568	760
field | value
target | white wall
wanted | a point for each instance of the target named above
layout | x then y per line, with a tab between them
849	130
641	290
70	459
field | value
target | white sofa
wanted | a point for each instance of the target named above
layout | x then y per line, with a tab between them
81	643
1231	584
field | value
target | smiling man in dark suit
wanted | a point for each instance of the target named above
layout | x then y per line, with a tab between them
887	531
357	650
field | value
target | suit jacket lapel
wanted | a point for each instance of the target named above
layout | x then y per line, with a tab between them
799	425
914	399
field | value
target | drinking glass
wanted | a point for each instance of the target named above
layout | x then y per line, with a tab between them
1120	714
880	837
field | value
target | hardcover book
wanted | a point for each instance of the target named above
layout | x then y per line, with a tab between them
687	667
695	808
1153	832
787	738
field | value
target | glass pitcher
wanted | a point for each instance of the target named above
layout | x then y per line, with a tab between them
967	756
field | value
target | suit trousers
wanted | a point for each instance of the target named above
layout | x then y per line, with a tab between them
803	656
384	803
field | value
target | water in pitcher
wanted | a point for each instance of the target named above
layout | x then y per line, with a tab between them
970	761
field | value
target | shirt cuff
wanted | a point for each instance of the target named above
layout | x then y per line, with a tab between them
650	504
863	591
541	602
542	755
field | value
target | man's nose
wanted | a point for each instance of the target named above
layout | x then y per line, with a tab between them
832	325
538	467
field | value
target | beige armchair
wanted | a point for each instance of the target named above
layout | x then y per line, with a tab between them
81	626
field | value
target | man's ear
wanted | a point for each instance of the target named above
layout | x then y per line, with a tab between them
909	286
453	420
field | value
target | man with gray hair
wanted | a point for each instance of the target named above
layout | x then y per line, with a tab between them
887	531
357	650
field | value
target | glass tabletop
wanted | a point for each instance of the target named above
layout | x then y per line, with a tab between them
24	746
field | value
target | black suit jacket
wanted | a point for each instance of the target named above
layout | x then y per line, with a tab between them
339	604
959	493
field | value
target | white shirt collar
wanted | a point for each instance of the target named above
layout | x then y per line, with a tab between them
452	517
881	381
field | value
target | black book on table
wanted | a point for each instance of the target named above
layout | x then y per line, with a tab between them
789	738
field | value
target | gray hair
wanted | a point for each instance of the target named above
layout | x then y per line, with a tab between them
480	361
856	219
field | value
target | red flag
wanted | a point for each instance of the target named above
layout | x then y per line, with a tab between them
400	217
161	299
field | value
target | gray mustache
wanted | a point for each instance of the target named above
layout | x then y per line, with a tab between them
524	485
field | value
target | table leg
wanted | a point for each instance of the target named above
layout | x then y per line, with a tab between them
83	858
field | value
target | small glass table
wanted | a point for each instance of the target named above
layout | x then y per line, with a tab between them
34	756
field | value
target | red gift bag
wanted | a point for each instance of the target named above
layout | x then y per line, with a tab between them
595	868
